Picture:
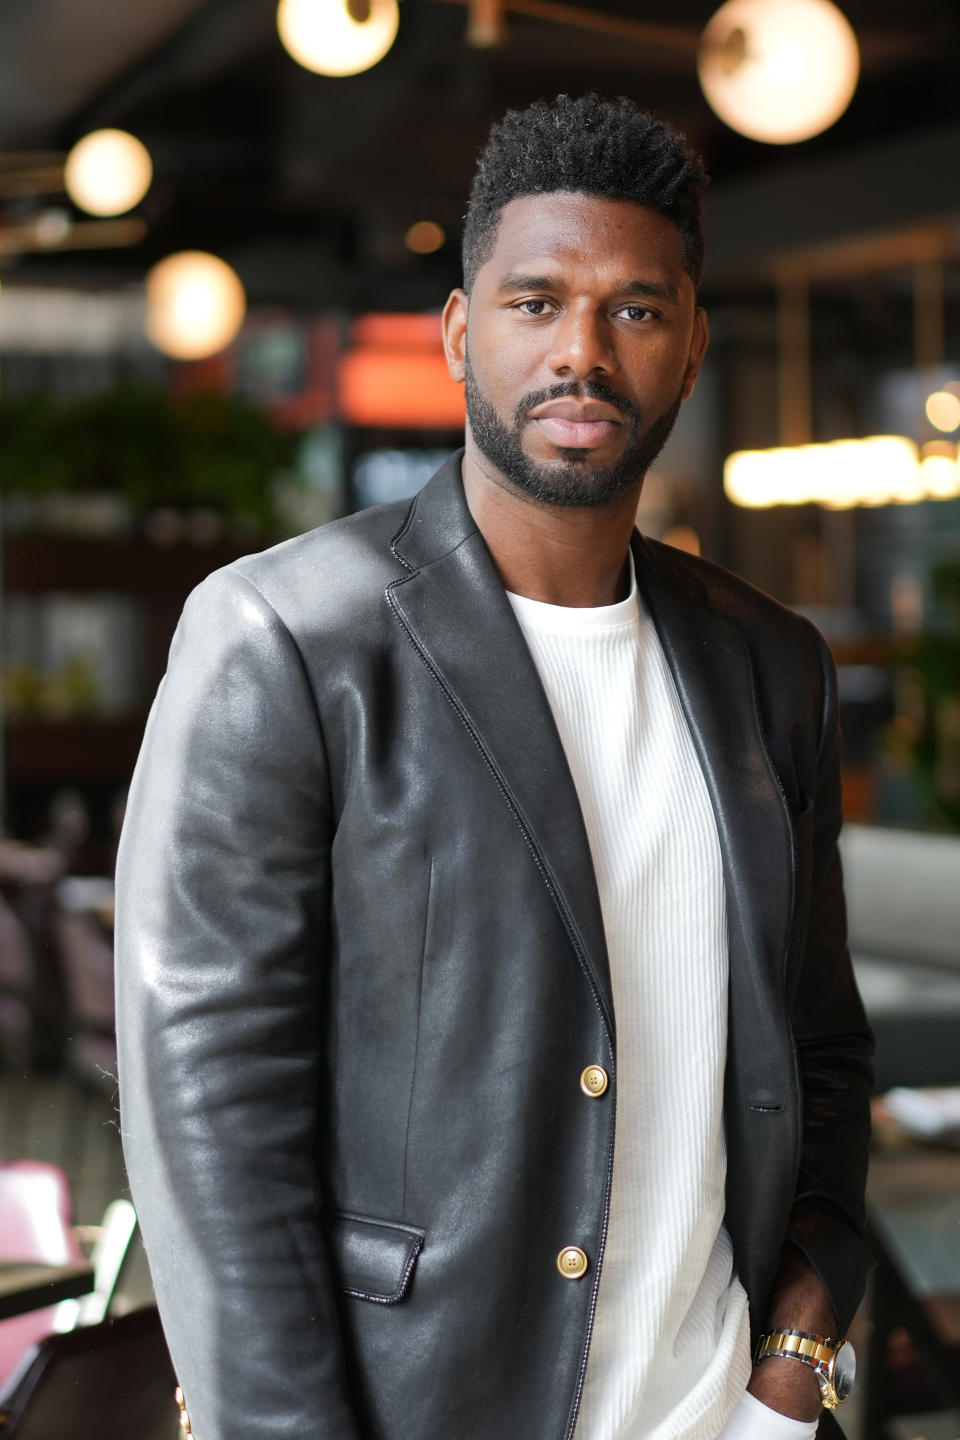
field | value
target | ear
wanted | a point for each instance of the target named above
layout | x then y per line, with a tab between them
455	334
698	349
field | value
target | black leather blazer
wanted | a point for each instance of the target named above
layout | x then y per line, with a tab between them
361	968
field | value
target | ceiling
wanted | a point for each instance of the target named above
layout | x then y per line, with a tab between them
307	184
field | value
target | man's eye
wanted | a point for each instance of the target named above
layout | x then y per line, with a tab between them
533	307
635	312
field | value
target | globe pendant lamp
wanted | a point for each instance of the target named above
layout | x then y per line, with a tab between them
107	172
779	71
195	305
337	37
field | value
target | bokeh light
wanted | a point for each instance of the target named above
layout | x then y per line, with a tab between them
424	237
779	70
943	410
108	172
195	305
323	35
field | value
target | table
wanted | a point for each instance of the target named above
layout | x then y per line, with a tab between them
27	1286
913	1205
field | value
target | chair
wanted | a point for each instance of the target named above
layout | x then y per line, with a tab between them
16	985
113	1381
36	1213
35	1224
111	1247
86	960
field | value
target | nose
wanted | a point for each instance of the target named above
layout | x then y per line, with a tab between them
581	344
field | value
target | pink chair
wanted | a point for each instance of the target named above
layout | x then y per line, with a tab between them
35	1224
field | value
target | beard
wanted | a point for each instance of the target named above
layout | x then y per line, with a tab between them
571	481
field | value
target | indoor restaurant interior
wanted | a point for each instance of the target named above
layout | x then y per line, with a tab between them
227	232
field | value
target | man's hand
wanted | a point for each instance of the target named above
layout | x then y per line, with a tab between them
799	1303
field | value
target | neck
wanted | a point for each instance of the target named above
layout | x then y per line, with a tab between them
562	555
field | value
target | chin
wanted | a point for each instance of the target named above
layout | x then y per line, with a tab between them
583	459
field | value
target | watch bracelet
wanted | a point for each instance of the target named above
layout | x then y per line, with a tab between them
810	1349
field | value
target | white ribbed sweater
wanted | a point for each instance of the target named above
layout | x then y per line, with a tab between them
670	1354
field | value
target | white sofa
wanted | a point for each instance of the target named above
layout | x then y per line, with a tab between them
903	905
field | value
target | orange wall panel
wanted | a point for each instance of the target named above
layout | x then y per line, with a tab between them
417	331
388	386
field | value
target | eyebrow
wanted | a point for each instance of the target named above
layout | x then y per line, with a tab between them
651	289
655	289
513	280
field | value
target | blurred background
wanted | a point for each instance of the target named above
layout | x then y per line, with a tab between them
226	232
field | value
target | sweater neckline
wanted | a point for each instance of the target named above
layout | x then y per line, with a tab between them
579	619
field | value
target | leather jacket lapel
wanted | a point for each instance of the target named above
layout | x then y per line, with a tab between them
454	609
713	673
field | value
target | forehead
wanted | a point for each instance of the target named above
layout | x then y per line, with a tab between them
570	229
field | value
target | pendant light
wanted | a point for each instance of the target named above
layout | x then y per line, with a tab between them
108	172
337	37
195	305
779	71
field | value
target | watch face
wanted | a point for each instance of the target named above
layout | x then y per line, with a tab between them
844	1371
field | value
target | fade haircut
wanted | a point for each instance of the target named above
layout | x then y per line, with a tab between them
592	145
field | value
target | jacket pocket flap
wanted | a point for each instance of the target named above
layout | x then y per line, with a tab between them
373	1259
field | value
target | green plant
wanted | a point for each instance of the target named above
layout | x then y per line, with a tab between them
212	450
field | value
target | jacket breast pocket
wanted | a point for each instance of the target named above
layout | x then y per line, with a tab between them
373	1259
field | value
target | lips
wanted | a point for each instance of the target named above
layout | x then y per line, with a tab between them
576	424
576	434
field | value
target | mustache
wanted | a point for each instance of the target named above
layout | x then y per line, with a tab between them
574	390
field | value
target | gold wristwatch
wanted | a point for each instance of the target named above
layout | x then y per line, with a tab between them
834	1362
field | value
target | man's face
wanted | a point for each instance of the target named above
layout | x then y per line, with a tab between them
577	344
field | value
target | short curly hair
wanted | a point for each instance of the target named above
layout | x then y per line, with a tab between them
593	145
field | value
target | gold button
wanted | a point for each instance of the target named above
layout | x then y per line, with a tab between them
184	1417
572	1262
594	1081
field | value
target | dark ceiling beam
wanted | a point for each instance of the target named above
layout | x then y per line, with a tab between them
215	38
56	54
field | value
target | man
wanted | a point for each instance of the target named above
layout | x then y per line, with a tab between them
463	826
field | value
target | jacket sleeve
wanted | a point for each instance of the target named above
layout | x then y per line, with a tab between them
834	1046
221	923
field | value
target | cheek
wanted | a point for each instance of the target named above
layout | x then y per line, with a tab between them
502	372
659	373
